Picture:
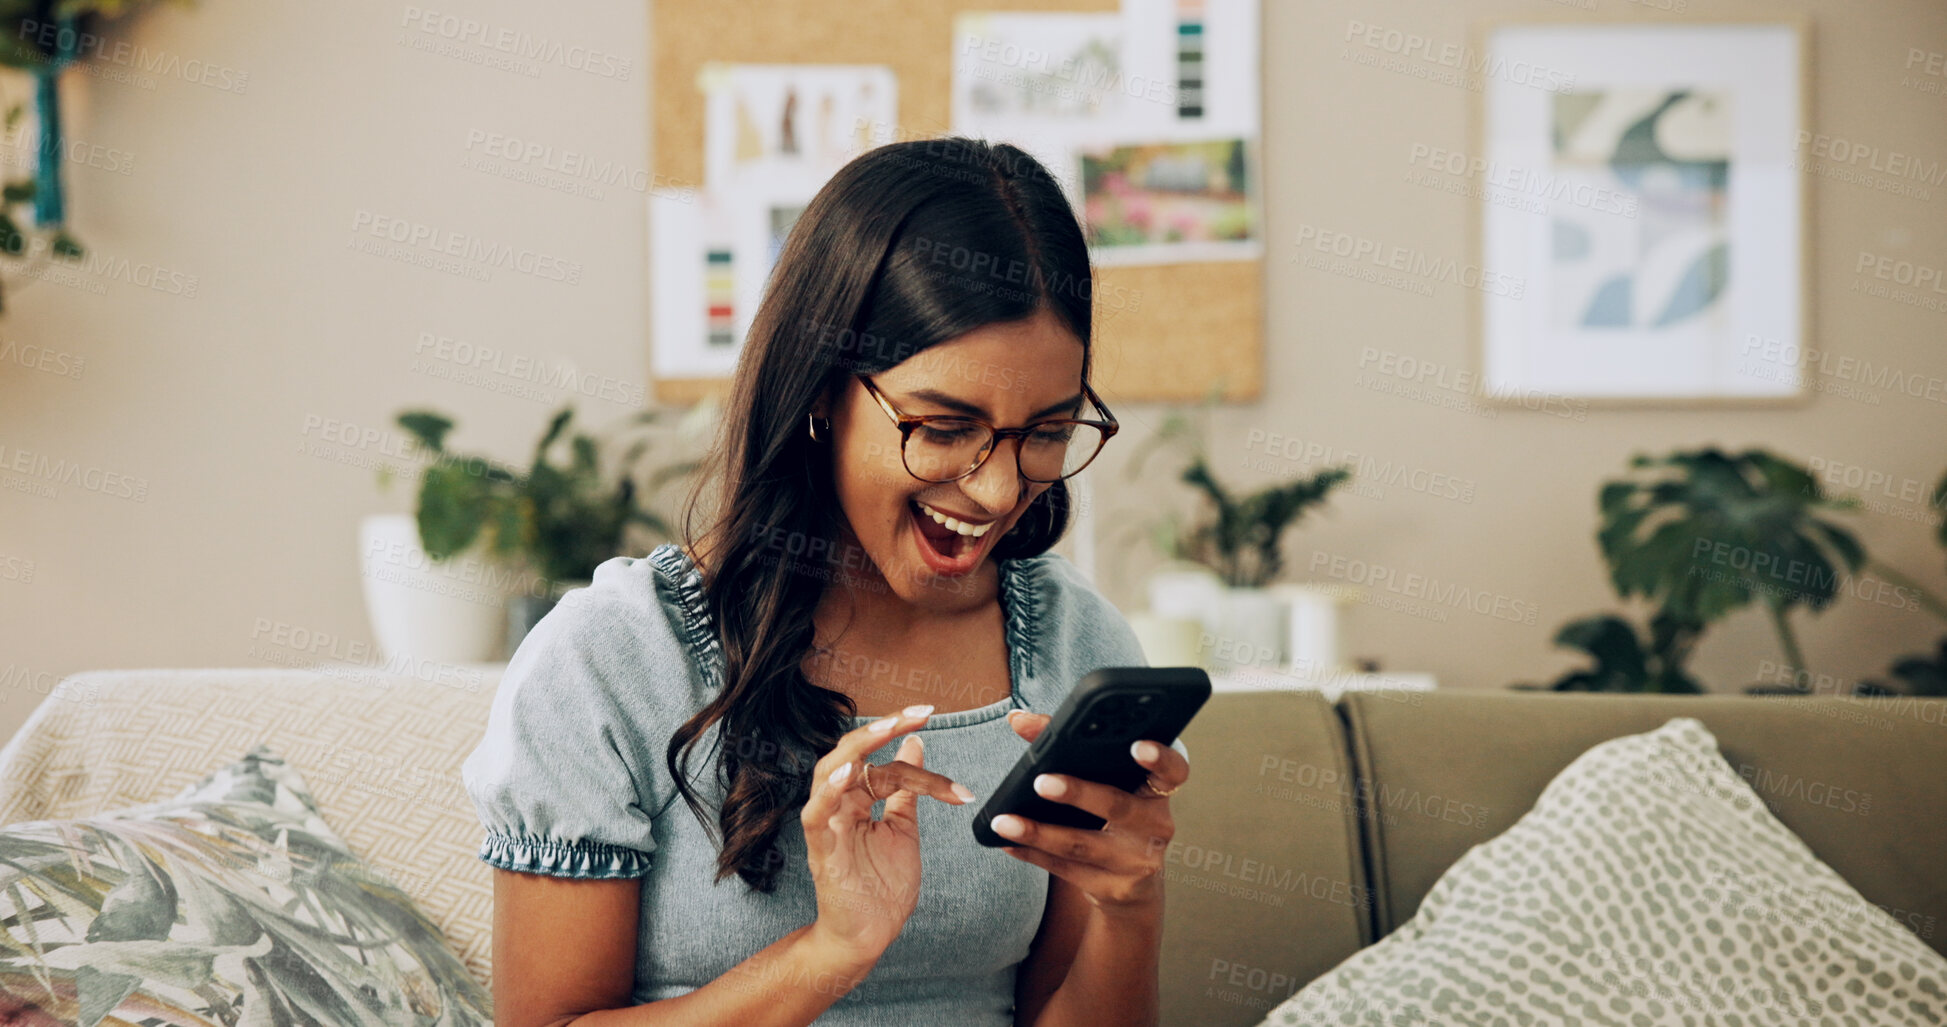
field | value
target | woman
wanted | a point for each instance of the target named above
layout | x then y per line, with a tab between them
871	622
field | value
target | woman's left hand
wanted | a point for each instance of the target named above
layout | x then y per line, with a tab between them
1119	865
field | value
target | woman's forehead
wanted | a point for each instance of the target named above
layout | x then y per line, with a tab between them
1001	377
1040	346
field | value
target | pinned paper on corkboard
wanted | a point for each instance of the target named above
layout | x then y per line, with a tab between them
773	134
1177	233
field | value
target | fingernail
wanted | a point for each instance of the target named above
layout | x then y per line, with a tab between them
918	711
1145	750
881	726
839	775
1049	785
918	742
966	794
1007	824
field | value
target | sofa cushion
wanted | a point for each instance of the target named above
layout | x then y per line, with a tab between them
233	902
1860	780
380	749
1264	888
1648	885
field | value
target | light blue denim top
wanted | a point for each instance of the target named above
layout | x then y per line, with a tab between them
570	780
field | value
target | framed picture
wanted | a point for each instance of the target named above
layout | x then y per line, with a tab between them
1642	212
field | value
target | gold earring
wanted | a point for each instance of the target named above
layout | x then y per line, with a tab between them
811	420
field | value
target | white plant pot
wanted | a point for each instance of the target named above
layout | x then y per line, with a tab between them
1169	641
1312	645
1181	590
451	612
1251	627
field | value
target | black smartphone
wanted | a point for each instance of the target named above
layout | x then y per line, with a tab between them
1089	738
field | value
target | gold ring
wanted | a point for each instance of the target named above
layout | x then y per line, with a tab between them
1159	793
867	780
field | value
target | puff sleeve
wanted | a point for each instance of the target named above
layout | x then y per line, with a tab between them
564	779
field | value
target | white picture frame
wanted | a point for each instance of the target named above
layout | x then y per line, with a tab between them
1642	213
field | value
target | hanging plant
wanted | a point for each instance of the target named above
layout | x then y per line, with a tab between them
42	38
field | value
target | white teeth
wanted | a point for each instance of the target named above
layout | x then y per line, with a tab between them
969	530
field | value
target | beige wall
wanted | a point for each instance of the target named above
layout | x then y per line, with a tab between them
214	402
1338	136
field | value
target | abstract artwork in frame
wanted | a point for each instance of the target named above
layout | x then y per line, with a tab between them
1643	195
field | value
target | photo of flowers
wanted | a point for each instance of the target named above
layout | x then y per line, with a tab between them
1170	201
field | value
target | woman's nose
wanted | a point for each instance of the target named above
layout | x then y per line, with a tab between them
997	483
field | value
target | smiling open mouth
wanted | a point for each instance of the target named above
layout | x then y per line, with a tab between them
944	549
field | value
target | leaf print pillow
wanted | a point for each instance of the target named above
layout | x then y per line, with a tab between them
232	903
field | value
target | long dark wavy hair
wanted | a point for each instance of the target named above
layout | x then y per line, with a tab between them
909	245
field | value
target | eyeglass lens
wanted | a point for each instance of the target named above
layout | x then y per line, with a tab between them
949	448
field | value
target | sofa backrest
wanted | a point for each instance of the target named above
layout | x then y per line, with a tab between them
1862	781
1306	832
380	752
1264	885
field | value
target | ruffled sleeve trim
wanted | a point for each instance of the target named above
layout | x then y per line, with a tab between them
687	582
1022	598
532	855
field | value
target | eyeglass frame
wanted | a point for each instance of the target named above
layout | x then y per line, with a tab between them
907	422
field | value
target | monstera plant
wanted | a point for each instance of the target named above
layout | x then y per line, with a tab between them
1697	535
1920	673
1626	662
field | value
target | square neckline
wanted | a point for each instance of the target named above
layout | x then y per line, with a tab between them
1016	598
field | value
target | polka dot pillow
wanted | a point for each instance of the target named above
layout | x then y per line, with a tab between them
1648	886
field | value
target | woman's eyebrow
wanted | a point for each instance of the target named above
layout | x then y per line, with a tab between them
942	399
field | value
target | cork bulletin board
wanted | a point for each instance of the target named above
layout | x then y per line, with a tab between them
1162	332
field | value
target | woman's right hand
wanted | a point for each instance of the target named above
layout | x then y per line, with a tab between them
866	871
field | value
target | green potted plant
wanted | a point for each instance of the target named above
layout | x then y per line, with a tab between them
1237	539
1923	674
1696	535
1241	538
538	531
